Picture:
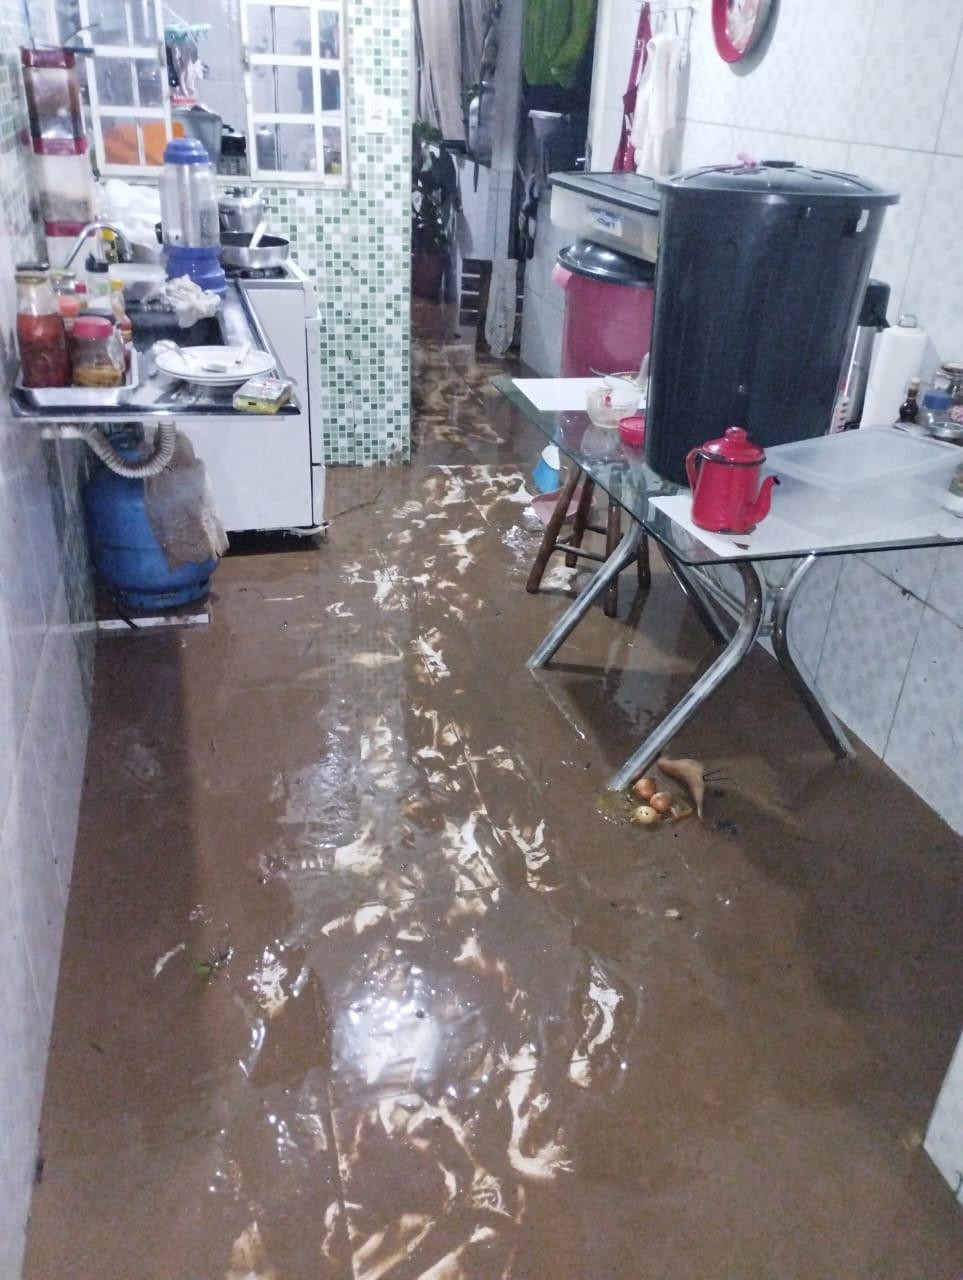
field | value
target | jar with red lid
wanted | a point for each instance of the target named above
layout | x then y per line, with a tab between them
97	352
40	329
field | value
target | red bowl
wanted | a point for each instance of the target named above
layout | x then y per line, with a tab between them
632	430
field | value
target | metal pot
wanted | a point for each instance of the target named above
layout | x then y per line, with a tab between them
240	210
236	252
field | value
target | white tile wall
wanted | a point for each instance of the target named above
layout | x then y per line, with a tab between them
46	666
925	744
867	650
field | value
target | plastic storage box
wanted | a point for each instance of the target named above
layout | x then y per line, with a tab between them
843	485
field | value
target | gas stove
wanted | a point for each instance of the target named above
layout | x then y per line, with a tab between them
256	273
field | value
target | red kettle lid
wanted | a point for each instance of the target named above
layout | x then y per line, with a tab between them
734	447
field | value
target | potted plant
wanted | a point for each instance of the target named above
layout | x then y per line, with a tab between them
434	199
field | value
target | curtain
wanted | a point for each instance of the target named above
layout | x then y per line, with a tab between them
439	54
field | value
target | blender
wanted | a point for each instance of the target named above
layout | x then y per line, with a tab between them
189	218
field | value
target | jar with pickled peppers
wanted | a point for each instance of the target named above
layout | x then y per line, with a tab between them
40	329
98	353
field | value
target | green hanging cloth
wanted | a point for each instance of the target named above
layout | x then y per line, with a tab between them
557	33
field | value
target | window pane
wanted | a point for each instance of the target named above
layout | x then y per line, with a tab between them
116	79
331	90
329	34
287	146
149	83
127	22
121	138
333	161
279	28
115	82
286	89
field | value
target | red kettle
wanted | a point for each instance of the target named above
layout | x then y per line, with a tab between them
727	496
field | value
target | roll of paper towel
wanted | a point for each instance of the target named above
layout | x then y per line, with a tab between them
897	357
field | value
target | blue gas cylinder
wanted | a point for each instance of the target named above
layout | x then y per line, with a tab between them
126	552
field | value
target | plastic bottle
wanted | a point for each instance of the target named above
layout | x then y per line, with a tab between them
98	287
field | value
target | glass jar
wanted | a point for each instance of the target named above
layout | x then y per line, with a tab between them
188	196
949	377
98	354
40	329
69	301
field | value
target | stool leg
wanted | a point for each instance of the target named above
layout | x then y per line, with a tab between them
613	532
552	529
582	513
642	564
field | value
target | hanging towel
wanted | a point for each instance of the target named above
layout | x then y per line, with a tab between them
624	161
656	106
557	33
502	305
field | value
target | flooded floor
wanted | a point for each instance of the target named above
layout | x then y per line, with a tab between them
359	981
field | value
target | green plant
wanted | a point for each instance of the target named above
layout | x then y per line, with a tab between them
434	190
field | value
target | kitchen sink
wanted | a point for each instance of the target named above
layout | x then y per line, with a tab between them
151	324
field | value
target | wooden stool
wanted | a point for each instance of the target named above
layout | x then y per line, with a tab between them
572	545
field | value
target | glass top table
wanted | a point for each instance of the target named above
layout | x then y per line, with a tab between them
662	510
622	472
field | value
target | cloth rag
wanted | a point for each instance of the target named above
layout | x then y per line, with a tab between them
180	508
656	107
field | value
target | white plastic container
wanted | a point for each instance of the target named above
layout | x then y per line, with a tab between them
857	483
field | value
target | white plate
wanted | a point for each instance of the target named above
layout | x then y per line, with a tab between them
191	370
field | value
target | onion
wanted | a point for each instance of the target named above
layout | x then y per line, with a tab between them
645	788
661	802
644	815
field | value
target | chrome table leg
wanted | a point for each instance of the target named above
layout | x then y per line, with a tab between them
812	700
695	597
623	554
727	661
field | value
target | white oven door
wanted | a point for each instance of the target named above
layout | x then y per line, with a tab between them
259	466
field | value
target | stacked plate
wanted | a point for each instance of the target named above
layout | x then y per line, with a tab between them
213	366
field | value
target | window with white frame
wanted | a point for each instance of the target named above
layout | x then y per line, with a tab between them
294	87
274	72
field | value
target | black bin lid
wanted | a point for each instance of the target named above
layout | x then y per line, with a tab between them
596	262
779	182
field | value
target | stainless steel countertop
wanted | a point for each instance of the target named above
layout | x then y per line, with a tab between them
156	399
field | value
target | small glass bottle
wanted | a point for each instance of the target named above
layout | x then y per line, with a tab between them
108	241
98	287
909	410
40	329
69	301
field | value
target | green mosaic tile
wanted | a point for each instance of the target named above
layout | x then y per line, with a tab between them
355	244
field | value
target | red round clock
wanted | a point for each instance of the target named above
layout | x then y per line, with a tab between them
737	25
